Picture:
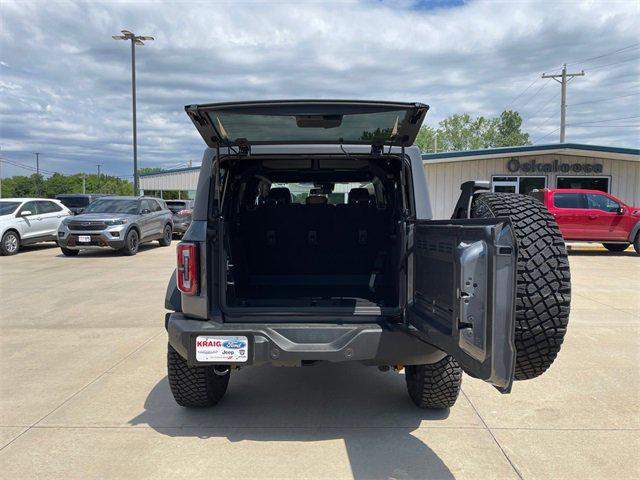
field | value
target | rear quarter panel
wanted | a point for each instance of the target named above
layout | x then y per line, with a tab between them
197	306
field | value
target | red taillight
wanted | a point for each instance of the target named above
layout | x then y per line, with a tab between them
188	268
184	212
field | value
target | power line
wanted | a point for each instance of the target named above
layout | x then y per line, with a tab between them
597	67
521	93
26	167
545	136
603	126
608	120
585	60
535	94
602	99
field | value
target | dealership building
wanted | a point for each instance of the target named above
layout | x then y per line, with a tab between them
511	169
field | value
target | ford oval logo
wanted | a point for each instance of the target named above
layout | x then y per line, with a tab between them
234	344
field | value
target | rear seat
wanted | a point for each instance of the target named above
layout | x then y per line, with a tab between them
315	238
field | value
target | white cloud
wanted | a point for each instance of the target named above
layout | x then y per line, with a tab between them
65	85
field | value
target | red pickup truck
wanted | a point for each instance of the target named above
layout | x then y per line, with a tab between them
593	216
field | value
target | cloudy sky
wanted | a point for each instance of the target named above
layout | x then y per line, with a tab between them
65	84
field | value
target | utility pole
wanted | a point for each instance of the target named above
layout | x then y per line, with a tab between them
435	143
37	172
135	40
98	183
564	79
84	184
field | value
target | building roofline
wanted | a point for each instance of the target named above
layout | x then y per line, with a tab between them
565	148
173	170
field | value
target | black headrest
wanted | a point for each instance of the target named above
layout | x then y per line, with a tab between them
316	200
359	195
279	196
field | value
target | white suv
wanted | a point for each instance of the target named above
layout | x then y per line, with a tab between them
24	221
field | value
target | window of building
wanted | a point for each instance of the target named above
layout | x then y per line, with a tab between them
516	184
585	183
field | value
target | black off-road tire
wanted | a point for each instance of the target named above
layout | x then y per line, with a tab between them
194	387
131	243
435	385
167	236
543	279
10	243
67	252
616	247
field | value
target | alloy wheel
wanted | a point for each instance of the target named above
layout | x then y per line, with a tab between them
11	243
133	242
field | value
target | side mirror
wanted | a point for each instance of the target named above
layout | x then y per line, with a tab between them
620	211
80	210
145	211
25	213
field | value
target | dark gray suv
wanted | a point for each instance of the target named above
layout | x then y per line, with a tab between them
118	223
312	240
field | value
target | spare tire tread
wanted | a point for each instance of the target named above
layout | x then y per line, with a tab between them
543	279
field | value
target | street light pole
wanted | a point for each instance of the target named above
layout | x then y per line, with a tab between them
135	40
135	123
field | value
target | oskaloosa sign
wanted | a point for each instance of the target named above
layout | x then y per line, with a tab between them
515	165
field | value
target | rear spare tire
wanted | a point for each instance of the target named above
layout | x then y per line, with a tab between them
434	385
195	387
616	247
543	279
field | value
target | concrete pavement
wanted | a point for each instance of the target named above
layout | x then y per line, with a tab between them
84	394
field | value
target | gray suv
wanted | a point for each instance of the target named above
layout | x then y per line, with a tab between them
119	223
312	240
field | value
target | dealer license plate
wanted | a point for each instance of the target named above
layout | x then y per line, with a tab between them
214	348
84	238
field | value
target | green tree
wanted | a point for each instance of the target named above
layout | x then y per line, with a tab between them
37	186
509	130
461	132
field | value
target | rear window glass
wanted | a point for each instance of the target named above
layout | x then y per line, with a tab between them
354	128
176	206
569	200
334	193
75	201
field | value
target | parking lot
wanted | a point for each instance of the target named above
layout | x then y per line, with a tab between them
84	392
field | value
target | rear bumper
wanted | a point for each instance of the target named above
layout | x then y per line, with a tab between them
181	227
291	344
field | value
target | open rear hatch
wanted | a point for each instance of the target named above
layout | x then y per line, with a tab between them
242	124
